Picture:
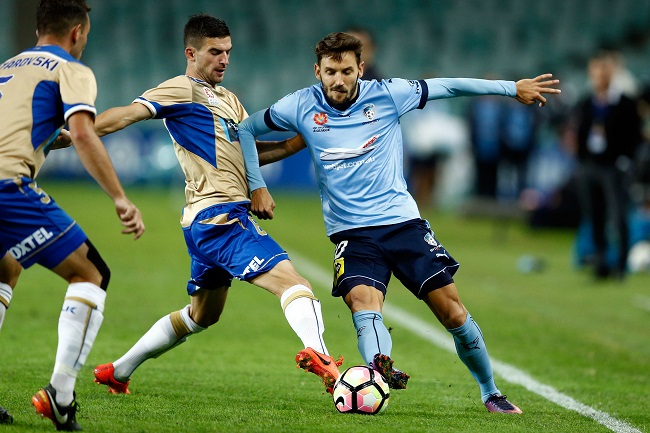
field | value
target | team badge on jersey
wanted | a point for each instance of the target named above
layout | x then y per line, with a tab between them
320	118
212	98
369	111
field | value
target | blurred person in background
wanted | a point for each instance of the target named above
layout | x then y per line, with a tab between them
42	89
223	240
431	136
608	134
518	130
369	51
352	130
485	134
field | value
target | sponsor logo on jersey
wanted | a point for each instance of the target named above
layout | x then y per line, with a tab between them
31	242
212	98
320	118
336	153
232	128
339	269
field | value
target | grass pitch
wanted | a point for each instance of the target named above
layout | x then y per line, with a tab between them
586	340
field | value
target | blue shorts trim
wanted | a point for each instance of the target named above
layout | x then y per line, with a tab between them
34	229
225	242
408	250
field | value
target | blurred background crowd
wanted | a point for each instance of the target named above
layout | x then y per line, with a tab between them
581	162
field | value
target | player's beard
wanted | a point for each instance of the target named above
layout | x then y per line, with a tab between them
346	102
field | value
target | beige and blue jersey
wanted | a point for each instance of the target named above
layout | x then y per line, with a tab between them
202	121
40	89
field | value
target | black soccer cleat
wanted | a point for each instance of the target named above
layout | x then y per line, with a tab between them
5	417
395	378
64	418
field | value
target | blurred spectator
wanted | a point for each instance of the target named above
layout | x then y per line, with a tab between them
485	126
368	54
552	198
608	132
430	136
518	131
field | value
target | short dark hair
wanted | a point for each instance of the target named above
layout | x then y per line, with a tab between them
203	26
57	17
335	44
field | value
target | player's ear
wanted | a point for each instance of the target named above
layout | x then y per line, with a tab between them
361	66
189	53
76	33
317	71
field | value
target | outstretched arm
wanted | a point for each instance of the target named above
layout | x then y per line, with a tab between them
526	91
262	203
118	118
111	120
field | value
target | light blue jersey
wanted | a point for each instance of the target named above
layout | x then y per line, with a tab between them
358	152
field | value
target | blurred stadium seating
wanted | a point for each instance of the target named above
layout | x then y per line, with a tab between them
135	45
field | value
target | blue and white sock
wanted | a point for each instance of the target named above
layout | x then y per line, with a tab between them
471	349
372	335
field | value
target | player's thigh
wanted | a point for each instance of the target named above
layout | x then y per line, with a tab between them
359	261
445	304
417	259
77	267
363	298
281	277
206	306
9	270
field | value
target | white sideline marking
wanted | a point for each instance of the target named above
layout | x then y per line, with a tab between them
508	372
642	302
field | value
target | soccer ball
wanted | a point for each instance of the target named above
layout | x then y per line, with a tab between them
360	389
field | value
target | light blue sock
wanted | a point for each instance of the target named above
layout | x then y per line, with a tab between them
471	349
372	335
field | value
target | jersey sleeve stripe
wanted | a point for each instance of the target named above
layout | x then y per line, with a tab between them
147	104
269	122
425	94
80	107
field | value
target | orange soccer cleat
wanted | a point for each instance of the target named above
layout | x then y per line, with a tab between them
321	365
104	376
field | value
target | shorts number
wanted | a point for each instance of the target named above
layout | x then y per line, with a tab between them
340	247
259	229
45	199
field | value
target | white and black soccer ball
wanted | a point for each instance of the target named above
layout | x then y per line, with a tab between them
638	259
360	389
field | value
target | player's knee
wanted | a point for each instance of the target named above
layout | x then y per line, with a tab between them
10	270
101	266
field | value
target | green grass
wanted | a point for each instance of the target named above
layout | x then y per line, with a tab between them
587	340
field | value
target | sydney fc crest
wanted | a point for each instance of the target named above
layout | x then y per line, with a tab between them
369	111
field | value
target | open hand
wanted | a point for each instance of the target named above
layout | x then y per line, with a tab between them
530	90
